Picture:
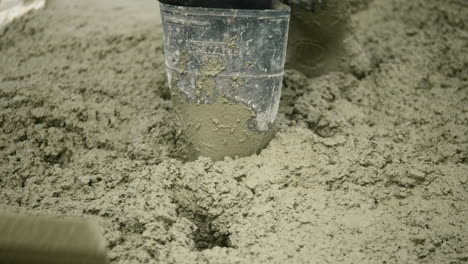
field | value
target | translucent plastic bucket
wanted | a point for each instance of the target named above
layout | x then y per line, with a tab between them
225	69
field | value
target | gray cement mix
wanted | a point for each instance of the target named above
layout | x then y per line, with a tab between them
363	169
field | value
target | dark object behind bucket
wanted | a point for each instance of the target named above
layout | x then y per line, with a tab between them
228	57
236	4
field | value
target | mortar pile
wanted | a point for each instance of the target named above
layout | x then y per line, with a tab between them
366	166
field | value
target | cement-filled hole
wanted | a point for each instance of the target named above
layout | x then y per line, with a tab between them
207	234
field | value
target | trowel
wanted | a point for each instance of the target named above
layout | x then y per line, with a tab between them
46	240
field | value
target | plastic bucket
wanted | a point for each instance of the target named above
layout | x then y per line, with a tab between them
225	69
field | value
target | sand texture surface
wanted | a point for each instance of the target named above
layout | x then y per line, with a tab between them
364	169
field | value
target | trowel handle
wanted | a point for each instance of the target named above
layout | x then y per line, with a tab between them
236	4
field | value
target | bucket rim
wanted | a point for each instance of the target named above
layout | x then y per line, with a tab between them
283	11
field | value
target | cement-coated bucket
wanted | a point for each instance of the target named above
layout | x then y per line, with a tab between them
225	69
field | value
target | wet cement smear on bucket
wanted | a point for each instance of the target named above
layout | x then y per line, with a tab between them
219	129
362	170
